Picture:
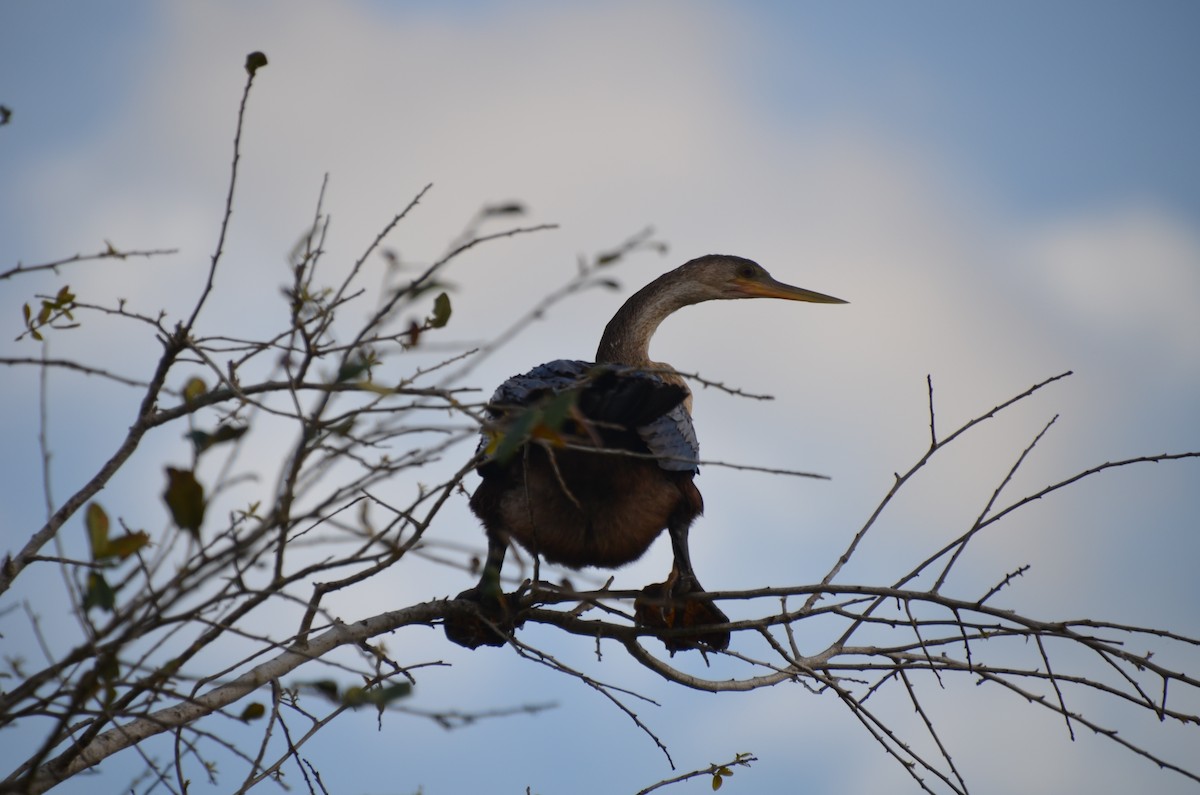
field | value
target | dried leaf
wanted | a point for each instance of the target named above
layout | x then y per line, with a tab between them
228	433
378	389
441	311
507	208
96	521
255	61
126	545
108	673
185	499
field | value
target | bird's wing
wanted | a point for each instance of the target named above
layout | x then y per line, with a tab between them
551	377
672	438
610	395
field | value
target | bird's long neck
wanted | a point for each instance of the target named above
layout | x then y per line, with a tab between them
627	336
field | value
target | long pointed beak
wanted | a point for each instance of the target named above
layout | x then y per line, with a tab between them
767	287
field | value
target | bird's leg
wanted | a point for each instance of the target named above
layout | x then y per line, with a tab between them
682	573
666	605
494	620
489	579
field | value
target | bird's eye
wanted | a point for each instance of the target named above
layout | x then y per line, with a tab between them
746	271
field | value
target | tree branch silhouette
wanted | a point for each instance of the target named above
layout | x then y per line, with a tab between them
165	641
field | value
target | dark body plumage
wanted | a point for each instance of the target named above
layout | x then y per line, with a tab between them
587	463
582	508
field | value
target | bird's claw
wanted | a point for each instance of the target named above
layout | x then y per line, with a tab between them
662	606
489	624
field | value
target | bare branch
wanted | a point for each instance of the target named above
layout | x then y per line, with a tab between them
109	253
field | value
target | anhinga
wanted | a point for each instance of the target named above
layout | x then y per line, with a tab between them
586	463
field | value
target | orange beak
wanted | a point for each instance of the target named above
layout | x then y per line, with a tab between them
767	287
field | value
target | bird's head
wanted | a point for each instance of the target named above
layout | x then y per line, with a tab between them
712	277
723	276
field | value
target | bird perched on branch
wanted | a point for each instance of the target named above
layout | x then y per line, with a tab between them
585	464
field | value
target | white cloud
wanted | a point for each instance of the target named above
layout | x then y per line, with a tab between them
1127	277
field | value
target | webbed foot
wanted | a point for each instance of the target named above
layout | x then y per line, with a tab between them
662	606
490	624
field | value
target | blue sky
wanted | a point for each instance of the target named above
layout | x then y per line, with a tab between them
1002	192
1056	105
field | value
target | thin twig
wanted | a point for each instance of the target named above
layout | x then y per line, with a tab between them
109	253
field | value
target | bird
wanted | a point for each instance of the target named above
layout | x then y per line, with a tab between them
586	463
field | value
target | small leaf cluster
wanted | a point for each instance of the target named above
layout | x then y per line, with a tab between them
54	313
106	552
379	695
543	420
722	772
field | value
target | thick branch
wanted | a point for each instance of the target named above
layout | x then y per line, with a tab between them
186	712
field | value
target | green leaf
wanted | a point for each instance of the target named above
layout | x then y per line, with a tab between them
386	695
355	367
96	521
253	711
428	286
326	687
107	667
194	389
202	440
99	593
227	433
343	428
556	410
375	696
185	499
108	673
441	311
507	442
717	781
126	545
544	421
